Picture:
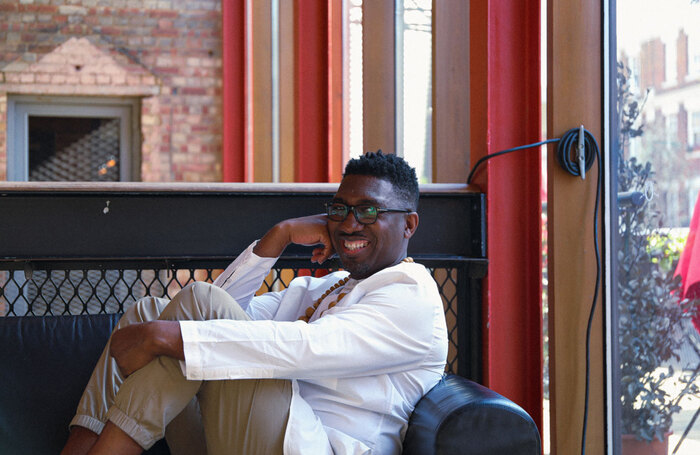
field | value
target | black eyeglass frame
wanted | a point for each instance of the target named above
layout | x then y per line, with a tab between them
352	208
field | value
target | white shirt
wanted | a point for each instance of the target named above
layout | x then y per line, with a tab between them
357	372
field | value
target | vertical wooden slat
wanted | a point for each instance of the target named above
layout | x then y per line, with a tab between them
286	91
450	91
262	90
378	79
573	98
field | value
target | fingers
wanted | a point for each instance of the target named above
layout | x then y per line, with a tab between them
308	231
128	349
322	254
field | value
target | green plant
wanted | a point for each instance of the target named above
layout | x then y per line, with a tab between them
651	316
651	321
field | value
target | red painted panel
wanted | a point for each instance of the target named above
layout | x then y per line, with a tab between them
311	91
505	112
335	91
233	159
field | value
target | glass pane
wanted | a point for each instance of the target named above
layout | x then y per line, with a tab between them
73	149
658	180
353	77
414	84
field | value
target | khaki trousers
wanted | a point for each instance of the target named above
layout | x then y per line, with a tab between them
196	417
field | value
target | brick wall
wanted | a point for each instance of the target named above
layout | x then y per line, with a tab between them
165	52
681	56
653	61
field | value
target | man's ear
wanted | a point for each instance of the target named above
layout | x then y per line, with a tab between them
411	225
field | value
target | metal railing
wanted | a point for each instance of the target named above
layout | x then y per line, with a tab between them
75	259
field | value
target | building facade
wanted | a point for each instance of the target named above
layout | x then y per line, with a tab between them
157	64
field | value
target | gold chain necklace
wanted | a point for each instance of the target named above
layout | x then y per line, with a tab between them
312	309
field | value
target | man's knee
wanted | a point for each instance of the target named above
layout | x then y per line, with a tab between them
143	310
200	294
193	302
203	301
201	290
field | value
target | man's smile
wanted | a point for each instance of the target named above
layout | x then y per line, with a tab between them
354	245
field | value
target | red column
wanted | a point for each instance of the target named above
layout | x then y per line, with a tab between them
505	112
311	91
334	132
233	61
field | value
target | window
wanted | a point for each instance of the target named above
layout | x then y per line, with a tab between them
353	77
693	52
656	347
72	139
414	102
695	130
672	130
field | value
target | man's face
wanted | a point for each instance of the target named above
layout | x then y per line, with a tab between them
367	248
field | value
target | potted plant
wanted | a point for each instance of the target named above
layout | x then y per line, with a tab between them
651	317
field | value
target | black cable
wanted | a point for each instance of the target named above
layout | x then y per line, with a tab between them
573	143
595	296
503	152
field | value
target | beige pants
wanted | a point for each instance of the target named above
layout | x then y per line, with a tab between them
196	417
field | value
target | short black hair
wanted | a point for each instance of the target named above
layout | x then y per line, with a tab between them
391	168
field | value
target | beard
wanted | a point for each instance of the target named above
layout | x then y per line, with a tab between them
358	270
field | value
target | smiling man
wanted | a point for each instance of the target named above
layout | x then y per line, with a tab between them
329	365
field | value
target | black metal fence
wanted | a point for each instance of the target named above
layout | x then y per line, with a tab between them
57	256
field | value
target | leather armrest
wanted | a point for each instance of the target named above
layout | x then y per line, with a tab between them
459	416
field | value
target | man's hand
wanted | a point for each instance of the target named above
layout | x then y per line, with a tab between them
308	231
134	346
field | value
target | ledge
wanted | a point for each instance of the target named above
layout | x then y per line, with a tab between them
213	187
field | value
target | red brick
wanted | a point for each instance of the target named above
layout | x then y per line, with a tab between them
111	30
165	33
164	14
43	9
167	70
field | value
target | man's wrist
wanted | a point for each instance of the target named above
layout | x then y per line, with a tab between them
273	243
166	339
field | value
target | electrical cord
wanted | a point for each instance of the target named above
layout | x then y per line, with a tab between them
586	150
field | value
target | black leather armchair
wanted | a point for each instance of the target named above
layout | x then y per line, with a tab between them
45	361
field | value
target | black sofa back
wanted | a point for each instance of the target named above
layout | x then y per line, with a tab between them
45	362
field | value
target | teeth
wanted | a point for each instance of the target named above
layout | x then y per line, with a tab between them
355	245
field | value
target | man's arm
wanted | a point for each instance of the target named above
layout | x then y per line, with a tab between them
134	346
393	322
308	230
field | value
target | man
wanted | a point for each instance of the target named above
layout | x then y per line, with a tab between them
329	365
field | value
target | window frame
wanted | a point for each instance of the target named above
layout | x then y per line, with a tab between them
20	107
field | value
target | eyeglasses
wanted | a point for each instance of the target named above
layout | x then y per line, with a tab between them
364	214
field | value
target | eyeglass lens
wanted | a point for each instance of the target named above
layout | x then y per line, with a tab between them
365	214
